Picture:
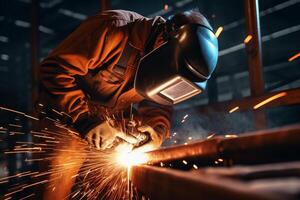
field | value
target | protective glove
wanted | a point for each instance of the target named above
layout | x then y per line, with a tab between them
104	135
154	142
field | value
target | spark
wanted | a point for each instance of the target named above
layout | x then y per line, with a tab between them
219	31
195	166
248	39
185	162
234	109
161	164
15	125
174	133
220	160
166	7
216	162
294	57
185	116
190	138
210	136
268	100
185	143
231	136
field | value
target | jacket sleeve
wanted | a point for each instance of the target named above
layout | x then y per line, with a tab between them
86	48
157	116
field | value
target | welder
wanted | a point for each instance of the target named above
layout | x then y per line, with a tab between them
119	58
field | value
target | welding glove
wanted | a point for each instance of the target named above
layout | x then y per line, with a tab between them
155	139
104	135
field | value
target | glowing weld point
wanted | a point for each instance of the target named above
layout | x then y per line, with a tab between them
184	162
129	159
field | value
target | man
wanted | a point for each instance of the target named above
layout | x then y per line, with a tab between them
117	58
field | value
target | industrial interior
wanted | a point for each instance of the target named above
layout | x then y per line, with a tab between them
237	137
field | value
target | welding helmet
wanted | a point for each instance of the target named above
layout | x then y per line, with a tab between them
179	68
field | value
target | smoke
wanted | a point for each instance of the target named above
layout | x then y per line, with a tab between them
198	126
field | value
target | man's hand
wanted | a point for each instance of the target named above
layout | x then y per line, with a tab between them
154	142
104	135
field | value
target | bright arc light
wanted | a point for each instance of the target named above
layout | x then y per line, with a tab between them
129	159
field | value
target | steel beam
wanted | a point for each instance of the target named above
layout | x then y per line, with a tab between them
164	184
254	53
253	147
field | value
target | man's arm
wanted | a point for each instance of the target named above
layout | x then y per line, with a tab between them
86	48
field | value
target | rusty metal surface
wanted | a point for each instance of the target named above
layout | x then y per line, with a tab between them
274	145
259	147
206	149
164	184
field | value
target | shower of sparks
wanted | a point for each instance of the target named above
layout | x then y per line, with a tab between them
294	57
234	109
98	174
219	31
268	100
248	39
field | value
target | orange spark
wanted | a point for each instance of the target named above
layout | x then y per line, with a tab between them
219	31
231	136
294	57
247	39
268	100
234	109
166	7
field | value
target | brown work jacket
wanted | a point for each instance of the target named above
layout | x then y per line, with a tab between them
81	76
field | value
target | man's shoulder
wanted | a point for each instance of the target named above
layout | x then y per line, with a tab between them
124	15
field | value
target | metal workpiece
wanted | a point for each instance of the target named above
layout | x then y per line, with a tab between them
207	149
254	165
275	144
164	184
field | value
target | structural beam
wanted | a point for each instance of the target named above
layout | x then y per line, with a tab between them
258	146
254	53
164	184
